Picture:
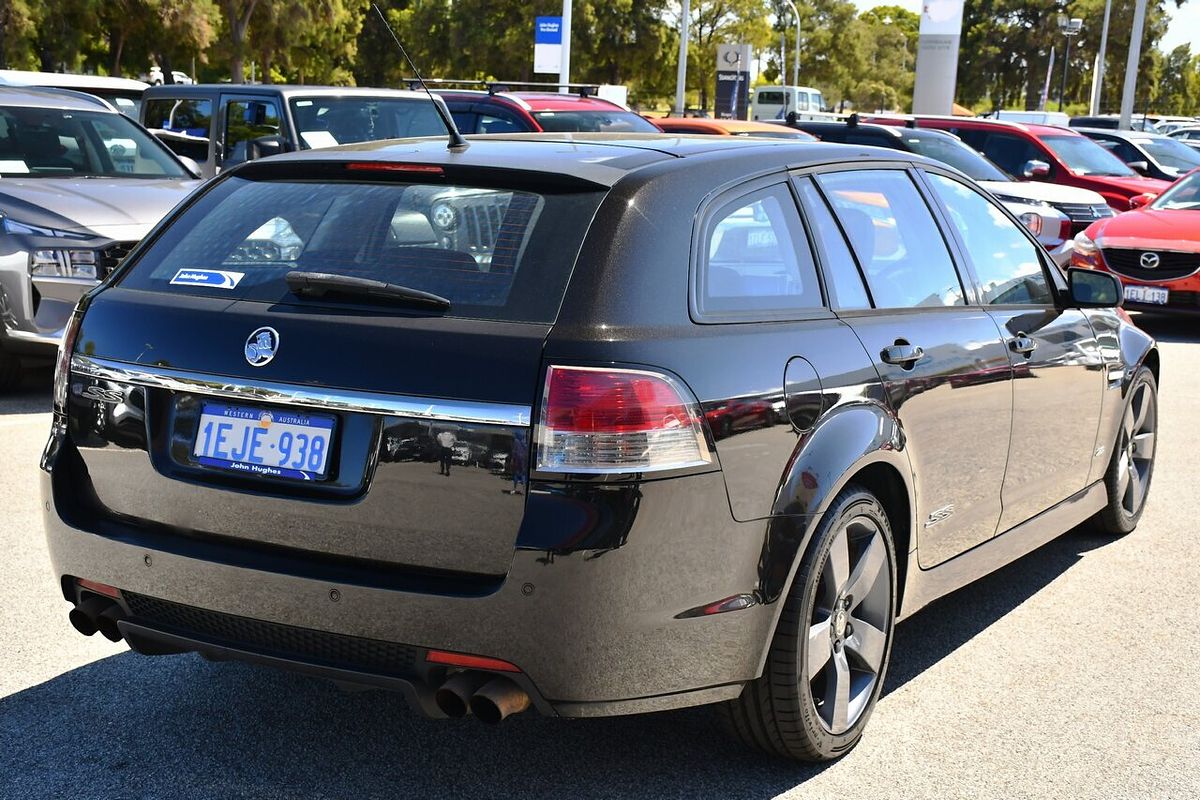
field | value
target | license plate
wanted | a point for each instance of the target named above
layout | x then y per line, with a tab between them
273	443
1146	294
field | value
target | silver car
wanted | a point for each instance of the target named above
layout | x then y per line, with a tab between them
80	184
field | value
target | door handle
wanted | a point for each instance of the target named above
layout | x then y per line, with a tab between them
902	354
1022	344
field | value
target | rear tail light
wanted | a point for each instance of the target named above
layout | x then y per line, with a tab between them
62	367
601	420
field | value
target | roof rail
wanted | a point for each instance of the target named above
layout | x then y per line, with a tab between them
496	87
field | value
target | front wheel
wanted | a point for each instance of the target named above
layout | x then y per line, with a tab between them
1132	463
830	653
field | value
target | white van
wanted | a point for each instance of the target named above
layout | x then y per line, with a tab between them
774	102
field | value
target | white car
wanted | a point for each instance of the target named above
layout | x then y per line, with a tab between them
155	76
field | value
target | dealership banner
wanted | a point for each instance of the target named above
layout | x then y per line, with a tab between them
733	81
937	56
547	44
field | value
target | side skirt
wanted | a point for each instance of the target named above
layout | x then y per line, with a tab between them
922	586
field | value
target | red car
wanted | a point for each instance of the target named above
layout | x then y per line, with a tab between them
1155	249
498	111
1049	153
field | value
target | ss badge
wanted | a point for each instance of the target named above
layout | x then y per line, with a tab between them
103	395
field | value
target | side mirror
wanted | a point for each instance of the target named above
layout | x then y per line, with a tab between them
1090	288
265	146
1142	200
1141	167
191	165
1035	170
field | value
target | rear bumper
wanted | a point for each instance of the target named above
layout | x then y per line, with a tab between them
594	631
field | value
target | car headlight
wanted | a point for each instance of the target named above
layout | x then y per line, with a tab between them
1084	244
444	216
1032	221
12	226
1004	198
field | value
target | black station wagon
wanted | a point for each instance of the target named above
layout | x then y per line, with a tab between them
586	424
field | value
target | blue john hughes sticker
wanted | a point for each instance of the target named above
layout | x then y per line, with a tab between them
217	278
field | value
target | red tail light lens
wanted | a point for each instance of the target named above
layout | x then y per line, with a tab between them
62	367
600	420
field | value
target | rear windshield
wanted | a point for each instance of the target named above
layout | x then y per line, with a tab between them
1084	157
330	121
614	121
494	253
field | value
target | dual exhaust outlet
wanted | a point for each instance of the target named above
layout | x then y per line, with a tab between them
97	614
489	697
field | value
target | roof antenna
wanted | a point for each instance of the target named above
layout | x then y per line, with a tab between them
457	142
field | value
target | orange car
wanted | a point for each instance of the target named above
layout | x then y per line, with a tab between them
730	127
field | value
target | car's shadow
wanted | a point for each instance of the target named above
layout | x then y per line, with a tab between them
1169	327
181	727
33	396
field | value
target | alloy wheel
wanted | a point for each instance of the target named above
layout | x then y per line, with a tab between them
850	624
1136	449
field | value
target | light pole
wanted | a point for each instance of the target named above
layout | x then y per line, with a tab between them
1098	77
564	69
1131	64
681	75
1069	28
796	60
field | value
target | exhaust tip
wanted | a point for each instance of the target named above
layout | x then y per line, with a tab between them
106	623
499	699
84	616
454	696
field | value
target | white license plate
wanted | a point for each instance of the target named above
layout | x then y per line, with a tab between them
1146	294
273	443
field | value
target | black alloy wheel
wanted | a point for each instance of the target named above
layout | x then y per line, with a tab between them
1132	463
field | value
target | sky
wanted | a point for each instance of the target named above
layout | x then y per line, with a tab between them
1184	27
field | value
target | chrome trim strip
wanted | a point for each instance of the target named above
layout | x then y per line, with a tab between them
304	396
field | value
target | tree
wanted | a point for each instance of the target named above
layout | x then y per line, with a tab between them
18	23
716	22
624	42
1180	86
237	23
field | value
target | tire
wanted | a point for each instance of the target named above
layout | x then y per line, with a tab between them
795	709
10	372
1131	467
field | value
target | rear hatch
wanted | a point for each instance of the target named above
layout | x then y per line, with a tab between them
339	363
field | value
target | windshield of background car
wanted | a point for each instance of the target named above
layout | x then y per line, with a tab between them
1171	154
502	254
958	155
330	121
598	121
1084	157
62	143
1184	195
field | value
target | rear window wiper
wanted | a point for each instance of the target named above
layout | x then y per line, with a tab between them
321	284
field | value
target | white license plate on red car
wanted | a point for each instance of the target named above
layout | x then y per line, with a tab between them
1152	295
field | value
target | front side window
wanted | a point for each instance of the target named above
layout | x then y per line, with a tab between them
841	274
894	236
1006	262
246	121
1011	153
61	143
756	258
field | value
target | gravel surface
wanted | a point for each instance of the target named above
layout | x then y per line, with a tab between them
1071	673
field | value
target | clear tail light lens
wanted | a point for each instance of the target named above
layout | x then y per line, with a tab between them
62	366
601	420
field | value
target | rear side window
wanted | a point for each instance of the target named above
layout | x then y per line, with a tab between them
841	273
1011	153
898	244
757	262
494	253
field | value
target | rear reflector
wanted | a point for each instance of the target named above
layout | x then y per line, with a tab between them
384	166
602	420
469	661
99	588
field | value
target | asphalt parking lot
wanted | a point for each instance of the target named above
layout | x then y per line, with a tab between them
1071	673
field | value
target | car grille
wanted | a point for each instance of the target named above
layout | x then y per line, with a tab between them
271	638
111	256
1170	265
1082	215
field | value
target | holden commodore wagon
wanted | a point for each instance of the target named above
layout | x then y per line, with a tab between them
755	401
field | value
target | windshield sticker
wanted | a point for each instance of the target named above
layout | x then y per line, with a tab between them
216	278
14	167
318	139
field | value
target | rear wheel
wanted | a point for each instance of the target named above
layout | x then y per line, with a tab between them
829	656
10	372
1132	464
